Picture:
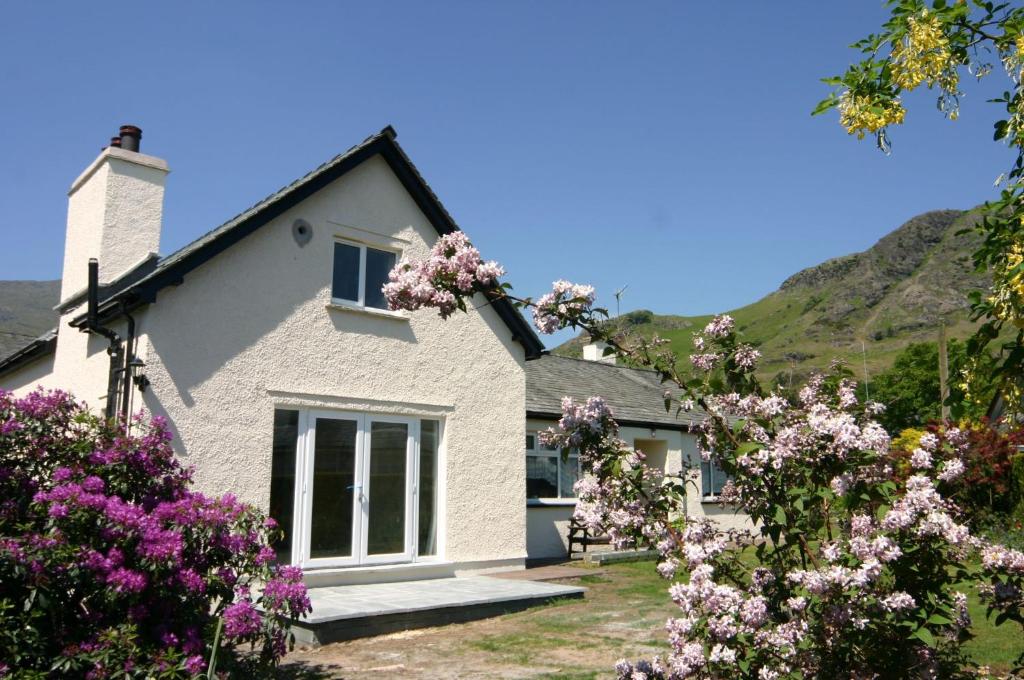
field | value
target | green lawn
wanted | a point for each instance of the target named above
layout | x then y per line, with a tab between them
623	615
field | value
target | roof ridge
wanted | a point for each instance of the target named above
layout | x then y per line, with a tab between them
602	363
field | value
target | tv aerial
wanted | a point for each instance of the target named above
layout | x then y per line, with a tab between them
618	299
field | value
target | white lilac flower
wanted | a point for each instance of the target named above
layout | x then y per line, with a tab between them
951	470
720	326
920	459
898	601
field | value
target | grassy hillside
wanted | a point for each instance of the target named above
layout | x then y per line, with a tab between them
26	310
895	293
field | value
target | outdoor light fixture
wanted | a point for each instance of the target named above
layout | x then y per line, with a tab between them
135	366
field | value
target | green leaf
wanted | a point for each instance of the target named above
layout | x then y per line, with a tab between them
1001	127
925	636
780	515
825	104
748	447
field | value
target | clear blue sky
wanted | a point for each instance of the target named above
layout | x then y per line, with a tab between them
664	145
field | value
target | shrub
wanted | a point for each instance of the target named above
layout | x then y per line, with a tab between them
988	467
111	566
854	575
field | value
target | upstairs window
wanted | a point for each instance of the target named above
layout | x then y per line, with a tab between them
359	274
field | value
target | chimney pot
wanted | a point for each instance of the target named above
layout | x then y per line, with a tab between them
130	137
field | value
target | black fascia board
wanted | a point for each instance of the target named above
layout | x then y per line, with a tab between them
37	348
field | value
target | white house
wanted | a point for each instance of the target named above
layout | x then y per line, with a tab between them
388	444
636	398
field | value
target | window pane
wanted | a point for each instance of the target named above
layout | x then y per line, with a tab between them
713	478
570	472
388	446
334	461
429	431
346	272
531	442
541	477
378	264
282	479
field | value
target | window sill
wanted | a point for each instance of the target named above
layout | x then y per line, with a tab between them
550	502
341	305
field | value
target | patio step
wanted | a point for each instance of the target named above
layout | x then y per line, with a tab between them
365	610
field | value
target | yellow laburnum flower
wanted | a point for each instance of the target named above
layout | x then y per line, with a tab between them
864	113
1007	297
1013	60
923	56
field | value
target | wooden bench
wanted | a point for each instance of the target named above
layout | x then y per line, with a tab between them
579	533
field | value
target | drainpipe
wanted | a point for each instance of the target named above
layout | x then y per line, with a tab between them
114	349
126	369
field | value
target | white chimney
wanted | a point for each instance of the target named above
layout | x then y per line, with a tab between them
595	352
115	209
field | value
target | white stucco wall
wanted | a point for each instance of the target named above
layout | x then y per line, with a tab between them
80	365
254	328
548	525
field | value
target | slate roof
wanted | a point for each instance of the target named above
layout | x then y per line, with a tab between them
171	270
636	396
41	346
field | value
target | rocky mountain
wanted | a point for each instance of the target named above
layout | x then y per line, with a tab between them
26	310
898	291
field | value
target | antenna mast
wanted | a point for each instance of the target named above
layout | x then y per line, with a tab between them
618	299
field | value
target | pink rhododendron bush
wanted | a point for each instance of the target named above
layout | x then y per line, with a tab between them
110	566
842	573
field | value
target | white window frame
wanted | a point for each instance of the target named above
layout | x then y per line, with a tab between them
540	451
303	496
360	275
710	469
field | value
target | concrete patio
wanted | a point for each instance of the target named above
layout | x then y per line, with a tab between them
354	611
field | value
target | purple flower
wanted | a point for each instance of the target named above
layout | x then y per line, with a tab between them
191	580
126	581
195	664
241	619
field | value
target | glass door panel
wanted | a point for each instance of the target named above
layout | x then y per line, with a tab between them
334	488
387	485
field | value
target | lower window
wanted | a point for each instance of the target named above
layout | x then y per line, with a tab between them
549	477
713	479
354	488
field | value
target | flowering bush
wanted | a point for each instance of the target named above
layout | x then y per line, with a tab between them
110	566
843	573
988	468
453	271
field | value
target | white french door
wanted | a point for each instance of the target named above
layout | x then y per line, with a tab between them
357	489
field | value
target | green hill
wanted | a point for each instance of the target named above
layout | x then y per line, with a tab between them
898	291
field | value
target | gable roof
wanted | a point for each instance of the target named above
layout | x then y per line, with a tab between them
171	270
636	396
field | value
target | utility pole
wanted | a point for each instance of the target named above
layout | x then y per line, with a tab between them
943	372
864	359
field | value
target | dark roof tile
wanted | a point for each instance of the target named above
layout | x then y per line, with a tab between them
636	396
